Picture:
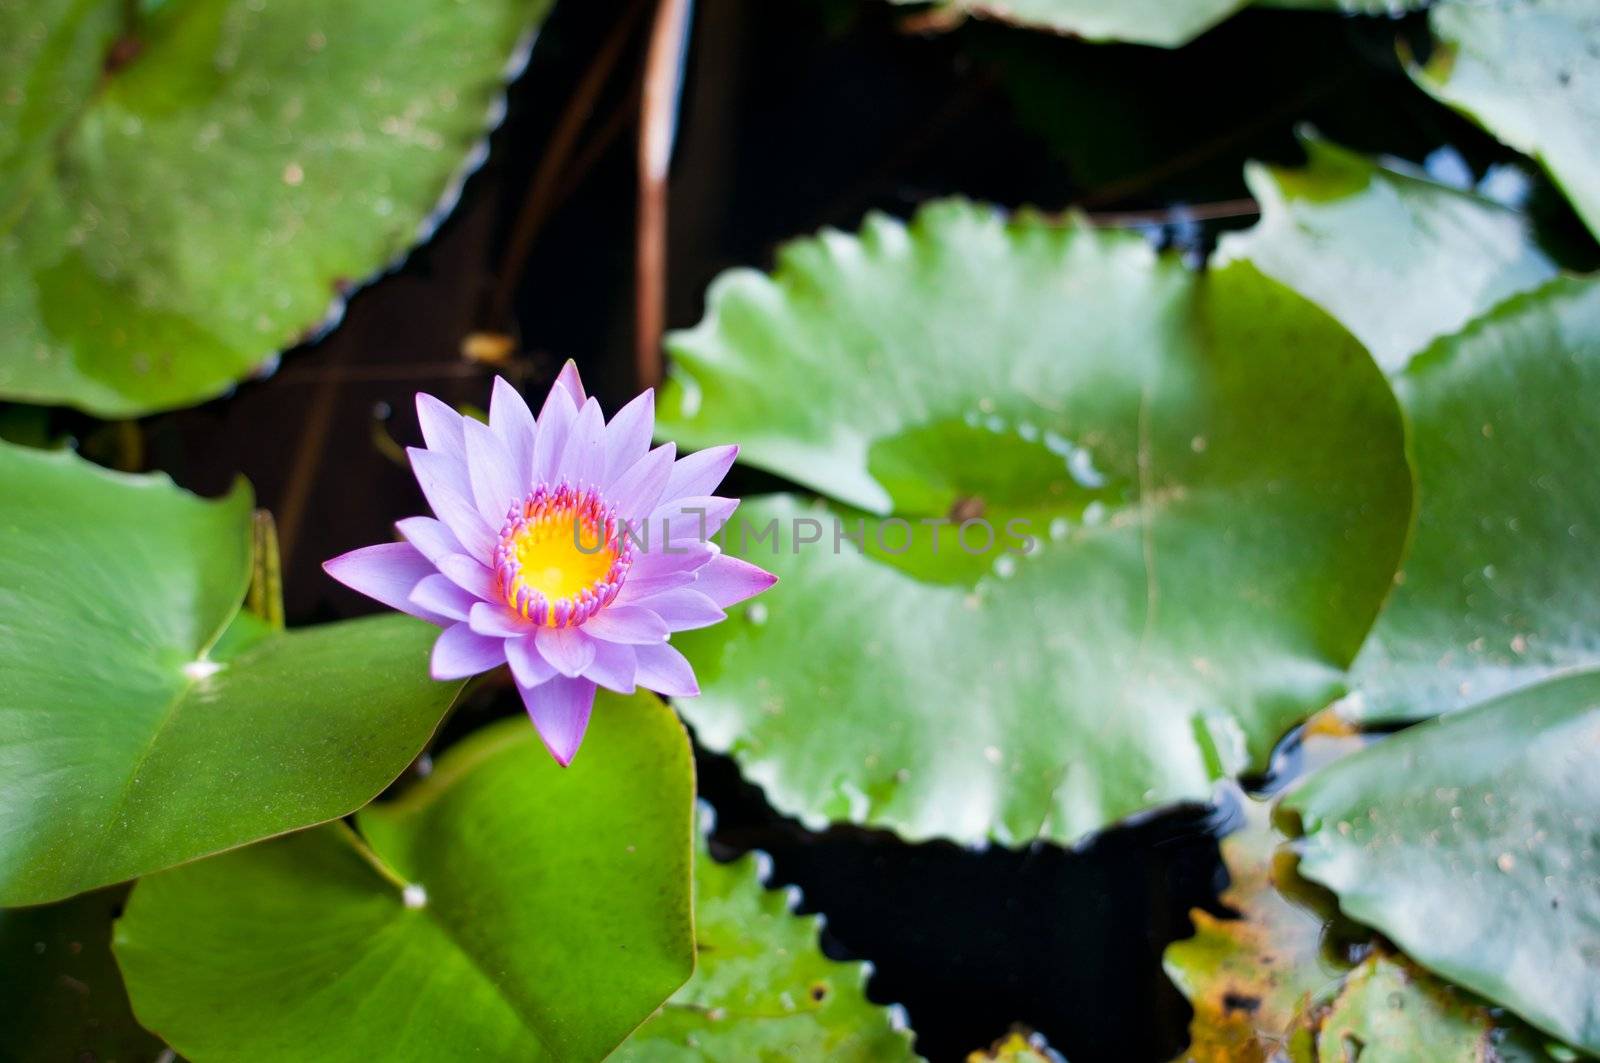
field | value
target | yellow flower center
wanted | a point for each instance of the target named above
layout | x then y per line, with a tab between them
559	559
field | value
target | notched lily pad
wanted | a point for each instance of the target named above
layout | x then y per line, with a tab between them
140	726
762	988
1209	474
188	188
503	909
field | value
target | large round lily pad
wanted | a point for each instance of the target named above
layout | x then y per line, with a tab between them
1502	584
1526	71
1396	257
187	188
131	739
1211	469
504	909
762	988
1473	843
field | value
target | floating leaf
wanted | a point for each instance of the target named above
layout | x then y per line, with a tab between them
1502	584
1167	23
186	193
1249	977
1396	257
133	734
507	909
1387	1010
1525	70
762	988
1473	843
61	997
1211	470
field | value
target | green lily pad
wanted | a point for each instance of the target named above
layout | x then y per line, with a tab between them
1390	1011
186	193
1473	843
133	735
1398	258
762	988
1502	585
1167	23
507	909
61	996
1211	470
1525	70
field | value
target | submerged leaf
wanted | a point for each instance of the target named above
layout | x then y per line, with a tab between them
1185	497
1388	1010
1250	976
507	909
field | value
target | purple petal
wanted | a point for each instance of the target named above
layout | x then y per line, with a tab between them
662	561
694	519
627	624
637	491
441	426
386	573
528	666
437	594
686	609
489	468
700	473
447	487
567	649
431	537
636	590
612	667
470	576
512	421
550	434
560	710
460	652
497	620
584	460
726	580
663	669
628	434
569	381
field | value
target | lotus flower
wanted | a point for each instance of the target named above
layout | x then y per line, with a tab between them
565	547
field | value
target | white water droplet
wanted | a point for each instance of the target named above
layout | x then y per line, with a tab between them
201	669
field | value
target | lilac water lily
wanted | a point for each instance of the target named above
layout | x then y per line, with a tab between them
564	546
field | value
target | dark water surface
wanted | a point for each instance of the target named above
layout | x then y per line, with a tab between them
798	114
